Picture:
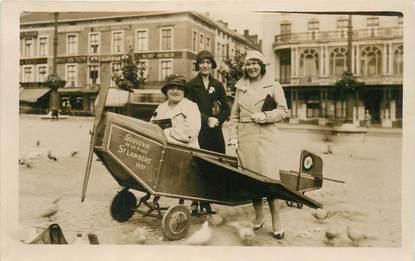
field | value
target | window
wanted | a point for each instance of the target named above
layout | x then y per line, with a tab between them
372	25
338	63
72	44
398	60
309	64
94	43
342	23
285	31
166	39
202	42
43	46
117	42
285	67
71	75
371	61
142	40
313	25
115	67
194	41
93	74
372	22
208	43
400	21
28	47
142	70
166	68
223	51
42	73
218	49
28	73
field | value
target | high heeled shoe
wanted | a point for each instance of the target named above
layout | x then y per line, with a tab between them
259	225
279	234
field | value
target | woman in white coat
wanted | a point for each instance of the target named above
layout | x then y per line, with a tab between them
254	132
179	116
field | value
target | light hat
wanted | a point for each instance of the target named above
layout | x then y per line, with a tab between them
255	55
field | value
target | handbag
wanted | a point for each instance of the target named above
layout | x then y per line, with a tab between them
269	104
216	107
163	123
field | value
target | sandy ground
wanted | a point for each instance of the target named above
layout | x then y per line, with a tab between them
369	201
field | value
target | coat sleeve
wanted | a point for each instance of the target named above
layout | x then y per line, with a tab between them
281	111
234	118
191	95
189	130
225	111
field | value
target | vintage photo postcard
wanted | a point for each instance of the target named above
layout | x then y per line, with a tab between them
230	130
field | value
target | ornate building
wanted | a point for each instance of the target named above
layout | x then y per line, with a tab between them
309	54
91	44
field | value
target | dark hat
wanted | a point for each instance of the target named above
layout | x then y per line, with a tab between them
205	54
173	80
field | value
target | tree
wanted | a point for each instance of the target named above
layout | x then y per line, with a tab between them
130	74
233	71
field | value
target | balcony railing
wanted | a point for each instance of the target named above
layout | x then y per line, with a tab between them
331	80
361	34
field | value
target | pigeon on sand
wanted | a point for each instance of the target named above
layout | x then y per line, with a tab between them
52	209
355	236
200	237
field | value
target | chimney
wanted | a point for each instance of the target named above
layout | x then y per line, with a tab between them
246	32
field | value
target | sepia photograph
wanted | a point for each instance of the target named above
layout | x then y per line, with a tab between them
269	128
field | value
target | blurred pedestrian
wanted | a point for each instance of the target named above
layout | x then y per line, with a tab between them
210	96
55	114
368	119
259	104
178	116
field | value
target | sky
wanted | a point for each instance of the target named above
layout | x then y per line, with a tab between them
251	21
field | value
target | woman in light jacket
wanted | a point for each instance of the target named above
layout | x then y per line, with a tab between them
254	132
182	114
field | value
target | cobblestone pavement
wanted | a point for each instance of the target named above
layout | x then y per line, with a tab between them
365	166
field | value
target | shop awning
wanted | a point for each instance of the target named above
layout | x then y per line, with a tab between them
116	98
33	94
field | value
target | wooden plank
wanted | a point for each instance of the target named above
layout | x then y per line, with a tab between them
99	112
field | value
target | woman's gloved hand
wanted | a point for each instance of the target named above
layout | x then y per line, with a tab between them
213	122
259	117
234	143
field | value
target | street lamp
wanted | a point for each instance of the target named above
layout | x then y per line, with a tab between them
54	82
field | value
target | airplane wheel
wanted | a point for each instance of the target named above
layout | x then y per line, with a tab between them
176	222
123	205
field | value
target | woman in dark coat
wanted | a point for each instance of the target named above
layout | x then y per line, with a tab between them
209	94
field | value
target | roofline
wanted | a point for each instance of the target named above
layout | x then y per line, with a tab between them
204	18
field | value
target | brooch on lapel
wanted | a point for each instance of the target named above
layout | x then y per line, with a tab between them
211	90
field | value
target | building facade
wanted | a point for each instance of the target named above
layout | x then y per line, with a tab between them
90	45
309	55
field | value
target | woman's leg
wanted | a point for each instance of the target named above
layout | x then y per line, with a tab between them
274	207
259	213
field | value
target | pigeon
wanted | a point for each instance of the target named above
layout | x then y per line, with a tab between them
245	231
214	220
74	153
37	143
139	235
80	240
51	156
52	209
355	236
29	164
331	233
200	237
93	239
320	214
